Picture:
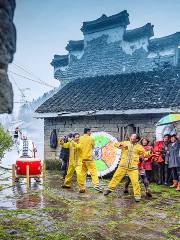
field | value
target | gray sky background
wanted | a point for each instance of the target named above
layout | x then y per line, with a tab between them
45	26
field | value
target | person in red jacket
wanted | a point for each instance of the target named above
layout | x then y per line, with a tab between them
159	158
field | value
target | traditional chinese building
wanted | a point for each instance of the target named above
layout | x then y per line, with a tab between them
108	48
114	80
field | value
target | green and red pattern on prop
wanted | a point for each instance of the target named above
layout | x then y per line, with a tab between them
105	154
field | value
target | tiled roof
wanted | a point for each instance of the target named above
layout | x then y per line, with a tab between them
105	22
161	43
143	90
146	30
60	60
75	45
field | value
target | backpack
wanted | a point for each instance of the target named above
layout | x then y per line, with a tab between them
53	139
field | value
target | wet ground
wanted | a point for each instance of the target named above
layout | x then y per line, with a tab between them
47	211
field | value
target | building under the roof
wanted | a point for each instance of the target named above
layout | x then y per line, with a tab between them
115	80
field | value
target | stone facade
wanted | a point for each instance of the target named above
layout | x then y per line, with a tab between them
7	49
118	126
108	48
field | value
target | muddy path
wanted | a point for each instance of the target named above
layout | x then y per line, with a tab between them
49	212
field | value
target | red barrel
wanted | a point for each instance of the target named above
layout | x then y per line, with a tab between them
35	166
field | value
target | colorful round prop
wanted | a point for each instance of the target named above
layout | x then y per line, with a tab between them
105	154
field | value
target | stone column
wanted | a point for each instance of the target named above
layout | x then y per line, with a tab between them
7	50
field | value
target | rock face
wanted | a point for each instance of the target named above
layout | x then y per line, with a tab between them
7	50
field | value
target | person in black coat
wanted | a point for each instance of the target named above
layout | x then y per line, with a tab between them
166	169
173	158
64	156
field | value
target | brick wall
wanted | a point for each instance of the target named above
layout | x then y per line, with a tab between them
114	125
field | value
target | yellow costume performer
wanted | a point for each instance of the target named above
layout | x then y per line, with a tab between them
86	144
75	164
128	165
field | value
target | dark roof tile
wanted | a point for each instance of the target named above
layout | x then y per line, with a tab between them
146	30
164	42
60	60
104	22
143	90
75	45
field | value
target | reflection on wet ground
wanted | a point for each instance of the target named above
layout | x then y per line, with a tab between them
14	197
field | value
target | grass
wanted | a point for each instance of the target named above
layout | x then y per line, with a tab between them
67	215
52	164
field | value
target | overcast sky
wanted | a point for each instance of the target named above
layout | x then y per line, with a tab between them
45	26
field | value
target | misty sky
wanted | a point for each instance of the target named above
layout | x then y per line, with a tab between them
45	26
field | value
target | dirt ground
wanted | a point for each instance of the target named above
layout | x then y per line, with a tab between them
49	212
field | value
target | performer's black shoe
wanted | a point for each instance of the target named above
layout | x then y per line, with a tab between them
125	191
107	192
67	187
82	191
98	189
148	193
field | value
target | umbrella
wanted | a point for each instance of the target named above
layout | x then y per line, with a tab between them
171	118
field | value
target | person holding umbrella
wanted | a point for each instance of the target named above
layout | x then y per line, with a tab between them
173	159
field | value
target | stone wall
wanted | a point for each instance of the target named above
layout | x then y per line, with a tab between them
104	57
7	49
115	125
113	35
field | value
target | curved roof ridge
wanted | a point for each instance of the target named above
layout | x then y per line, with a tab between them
146	30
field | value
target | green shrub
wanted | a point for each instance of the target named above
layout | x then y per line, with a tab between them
52	164
6	142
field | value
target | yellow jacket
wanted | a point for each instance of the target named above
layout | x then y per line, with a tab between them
130	154
74	153
86	144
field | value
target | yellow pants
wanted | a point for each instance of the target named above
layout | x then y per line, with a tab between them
91	167
70	173
133	175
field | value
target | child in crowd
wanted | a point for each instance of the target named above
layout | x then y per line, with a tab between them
147	162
